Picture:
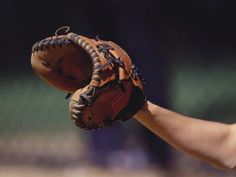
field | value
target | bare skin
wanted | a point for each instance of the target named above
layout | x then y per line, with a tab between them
210	141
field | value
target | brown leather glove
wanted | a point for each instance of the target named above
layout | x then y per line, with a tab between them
106	86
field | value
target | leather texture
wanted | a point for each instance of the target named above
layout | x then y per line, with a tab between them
99	74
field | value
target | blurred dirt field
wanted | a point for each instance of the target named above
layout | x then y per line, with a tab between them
65	155
26	171
54	156
93	171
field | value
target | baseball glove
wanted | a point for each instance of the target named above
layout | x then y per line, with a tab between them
106	86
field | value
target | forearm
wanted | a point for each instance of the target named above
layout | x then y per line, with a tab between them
202	139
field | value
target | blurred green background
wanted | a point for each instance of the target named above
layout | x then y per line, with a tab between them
204	89
31	106
198	88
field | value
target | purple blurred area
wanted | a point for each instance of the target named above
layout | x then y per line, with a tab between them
156	34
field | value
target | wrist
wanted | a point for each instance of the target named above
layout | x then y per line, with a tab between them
147	111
